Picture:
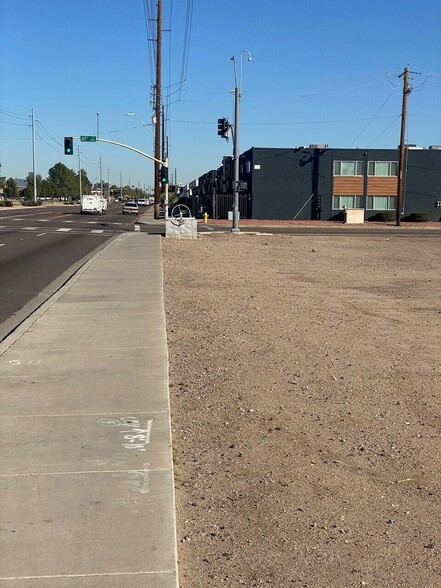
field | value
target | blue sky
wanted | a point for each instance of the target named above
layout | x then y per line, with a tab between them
321	72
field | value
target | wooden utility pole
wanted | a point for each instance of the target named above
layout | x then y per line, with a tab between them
158	108
406	91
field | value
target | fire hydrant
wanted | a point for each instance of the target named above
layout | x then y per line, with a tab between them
205	218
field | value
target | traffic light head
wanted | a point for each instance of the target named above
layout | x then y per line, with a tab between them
68	146
163	175
223	128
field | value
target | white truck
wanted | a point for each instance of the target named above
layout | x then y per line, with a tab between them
93	204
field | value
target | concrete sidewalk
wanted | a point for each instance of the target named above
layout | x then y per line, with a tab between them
87	494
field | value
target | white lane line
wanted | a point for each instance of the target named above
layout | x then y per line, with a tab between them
2	244
92	222
41	234
97	231
30	228
68	221
63	230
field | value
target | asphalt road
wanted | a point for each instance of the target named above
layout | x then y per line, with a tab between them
40	248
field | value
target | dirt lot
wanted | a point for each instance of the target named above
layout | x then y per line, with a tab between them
305	378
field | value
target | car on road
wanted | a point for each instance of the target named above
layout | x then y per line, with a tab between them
130	208
143	202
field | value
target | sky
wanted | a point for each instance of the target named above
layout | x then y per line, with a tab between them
320	72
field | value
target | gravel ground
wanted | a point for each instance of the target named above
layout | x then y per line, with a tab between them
305	393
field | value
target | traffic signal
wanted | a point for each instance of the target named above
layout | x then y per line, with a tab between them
223	128
163	174
68	145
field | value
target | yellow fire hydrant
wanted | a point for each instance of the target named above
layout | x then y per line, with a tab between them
205	218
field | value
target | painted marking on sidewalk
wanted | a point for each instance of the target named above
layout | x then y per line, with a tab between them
63	230
91	575
138	441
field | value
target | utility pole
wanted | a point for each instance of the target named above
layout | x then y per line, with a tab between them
158	108
406	91
79	174
33	156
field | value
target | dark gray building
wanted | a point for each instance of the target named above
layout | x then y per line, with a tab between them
318	183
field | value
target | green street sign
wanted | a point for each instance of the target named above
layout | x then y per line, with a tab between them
88	138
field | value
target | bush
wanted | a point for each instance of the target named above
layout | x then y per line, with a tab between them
5	202
386	216
31	203
417	217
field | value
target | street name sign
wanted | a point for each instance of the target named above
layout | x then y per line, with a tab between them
88	138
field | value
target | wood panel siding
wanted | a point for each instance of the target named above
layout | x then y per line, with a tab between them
348	186
381	186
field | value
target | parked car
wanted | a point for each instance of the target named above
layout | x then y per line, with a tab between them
130	208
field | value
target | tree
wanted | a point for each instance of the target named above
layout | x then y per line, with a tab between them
86	185
28	192
64	181
10	190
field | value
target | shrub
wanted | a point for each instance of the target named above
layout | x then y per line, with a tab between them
386	216
417	217
5	202
31	203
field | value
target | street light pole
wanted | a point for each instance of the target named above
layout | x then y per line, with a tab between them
144	124
237	95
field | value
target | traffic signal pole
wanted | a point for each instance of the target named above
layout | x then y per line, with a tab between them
235	225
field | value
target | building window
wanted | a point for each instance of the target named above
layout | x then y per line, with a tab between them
380	203
383	168
340	202
348	168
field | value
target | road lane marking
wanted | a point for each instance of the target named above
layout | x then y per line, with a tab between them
97	231
63	230
41	234
2	244
30	228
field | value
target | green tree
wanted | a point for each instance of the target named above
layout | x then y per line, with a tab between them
28	192
64	181
2	182
86	185
10	190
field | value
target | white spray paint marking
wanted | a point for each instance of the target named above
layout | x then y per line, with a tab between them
18	362
139	481
136	437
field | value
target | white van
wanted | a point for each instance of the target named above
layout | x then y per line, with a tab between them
93	204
